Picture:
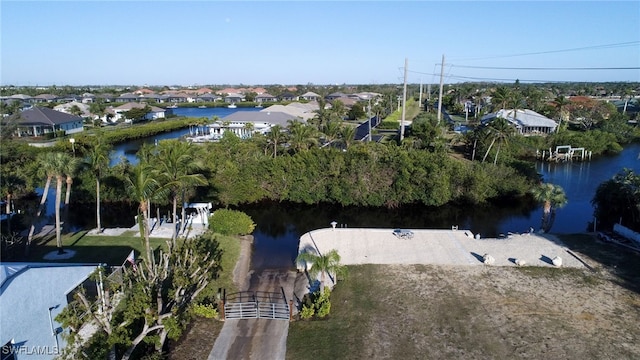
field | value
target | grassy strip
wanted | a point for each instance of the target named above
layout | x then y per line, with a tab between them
112	250
341	333
230	246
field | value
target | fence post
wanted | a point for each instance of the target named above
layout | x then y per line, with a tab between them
290	309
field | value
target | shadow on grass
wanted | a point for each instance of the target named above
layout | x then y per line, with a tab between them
112	250
622	262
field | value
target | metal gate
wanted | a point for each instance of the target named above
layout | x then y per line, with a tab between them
257	305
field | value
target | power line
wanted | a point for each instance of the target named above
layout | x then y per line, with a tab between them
605	46
544	68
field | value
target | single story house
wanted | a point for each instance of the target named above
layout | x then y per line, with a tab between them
208	97
288	97
44	98
66	108
262	98
118	112
38	121
127	97
233	98
31	296
526	122
246	123
302	111
310	96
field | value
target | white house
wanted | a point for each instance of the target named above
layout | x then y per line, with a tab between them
526	122
118	112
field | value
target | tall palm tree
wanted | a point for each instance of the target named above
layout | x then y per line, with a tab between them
141	186
44	162
500	130
275	137
347	135
628	95
71	167
551	196
331	130
62	163
326	264
560	102
175	167
501	96
98	158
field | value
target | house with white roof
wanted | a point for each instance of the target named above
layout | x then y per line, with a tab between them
525	121
246	123
66	108
31	296
118	112
310	96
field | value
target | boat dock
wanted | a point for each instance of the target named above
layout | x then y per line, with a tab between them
564	153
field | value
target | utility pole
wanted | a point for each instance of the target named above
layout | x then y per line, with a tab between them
369	117
420	96
404	99
429	97
441	83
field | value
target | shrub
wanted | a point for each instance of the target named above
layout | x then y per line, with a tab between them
207	311
307	312
231	222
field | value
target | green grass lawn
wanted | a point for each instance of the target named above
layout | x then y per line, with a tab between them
112	250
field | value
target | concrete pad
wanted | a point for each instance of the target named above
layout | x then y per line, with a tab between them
437	247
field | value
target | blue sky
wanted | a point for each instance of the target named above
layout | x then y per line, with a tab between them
318	42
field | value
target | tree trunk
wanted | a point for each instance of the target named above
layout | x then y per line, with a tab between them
495	160
488	150
98	220
43	200
58	201
175	220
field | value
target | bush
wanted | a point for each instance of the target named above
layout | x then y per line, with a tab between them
231	222
316	304
207	311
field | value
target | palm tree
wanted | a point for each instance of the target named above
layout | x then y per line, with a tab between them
499	130
560	102
97	161
501	96
61	164
331	130
44	162
315	264
141	186
347	135
275	137
175	166
71	167
552	197
302	136
628	95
